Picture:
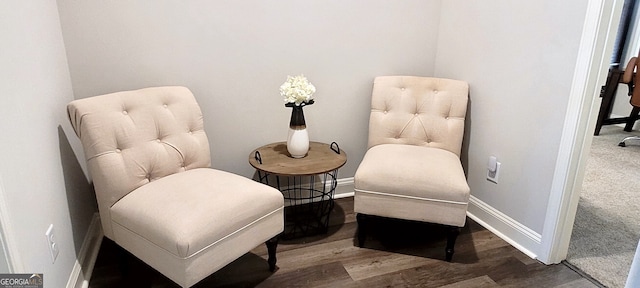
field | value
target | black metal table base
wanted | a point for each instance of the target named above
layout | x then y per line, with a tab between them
308	201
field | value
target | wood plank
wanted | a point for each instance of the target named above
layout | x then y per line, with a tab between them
478	282
330	274
495	263
363	268
340	250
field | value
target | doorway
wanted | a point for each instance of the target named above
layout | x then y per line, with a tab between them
605	236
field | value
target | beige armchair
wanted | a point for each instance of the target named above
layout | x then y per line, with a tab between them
412	167
158	198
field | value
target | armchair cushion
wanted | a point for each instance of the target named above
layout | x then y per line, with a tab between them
397	173
179	212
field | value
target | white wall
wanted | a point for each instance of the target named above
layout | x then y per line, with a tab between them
519	59
37	165
234	55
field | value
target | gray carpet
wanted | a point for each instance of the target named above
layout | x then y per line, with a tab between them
607	226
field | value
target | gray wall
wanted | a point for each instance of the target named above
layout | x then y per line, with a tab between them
234	55
519	59
42	182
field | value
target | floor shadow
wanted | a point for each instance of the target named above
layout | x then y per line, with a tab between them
251	269
80	194
116	267
335	223
419	239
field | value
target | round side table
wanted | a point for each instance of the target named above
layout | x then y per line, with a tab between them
308	184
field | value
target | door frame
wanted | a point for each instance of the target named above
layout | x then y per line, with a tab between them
592	65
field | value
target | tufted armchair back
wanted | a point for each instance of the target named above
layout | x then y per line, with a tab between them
420	111
137	137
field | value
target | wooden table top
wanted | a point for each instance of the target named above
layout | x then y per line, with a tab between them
276	160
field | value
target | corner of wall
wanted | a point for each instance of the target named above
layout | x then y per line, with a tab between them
83	267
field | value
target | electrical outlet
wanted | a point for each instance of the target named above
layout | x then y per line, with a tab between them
51	242
494	175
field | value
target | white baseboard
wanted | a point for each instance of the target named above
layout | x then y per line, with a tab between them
345	188
505	227
81	273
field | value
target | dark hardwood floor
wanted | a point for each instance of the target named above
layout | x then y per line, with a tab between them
396	254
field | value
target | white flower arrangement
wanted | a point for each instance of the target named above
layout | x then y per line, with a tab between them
297	90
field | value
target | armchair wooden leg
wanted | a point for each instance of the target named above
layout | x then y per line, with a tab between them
361	229
123	259
272	244
452	235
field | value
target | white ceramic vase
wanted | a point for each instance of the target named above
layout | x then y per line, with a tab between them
298	138
298	142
